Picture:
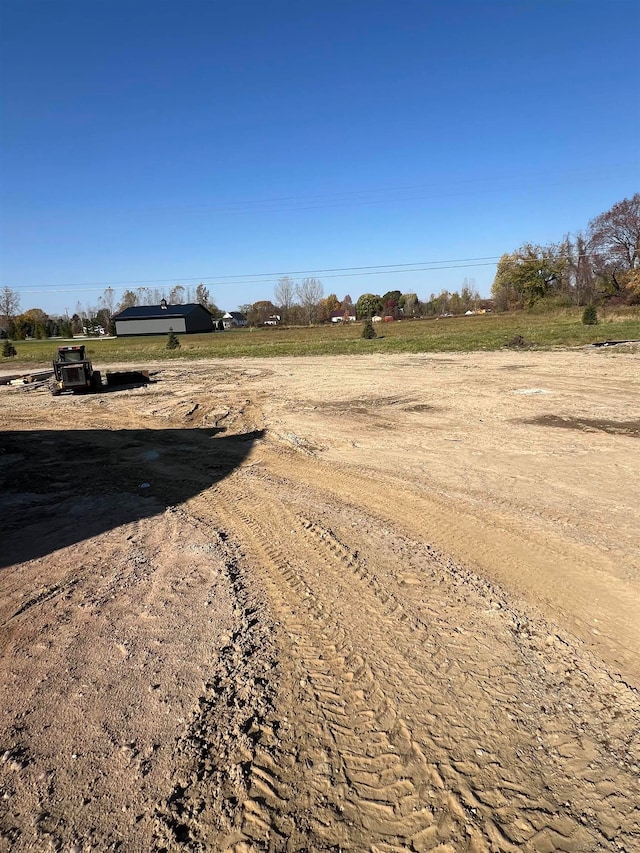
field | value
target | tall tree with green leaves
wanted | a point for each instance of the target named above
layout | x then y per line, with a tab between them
528	275
260	312
367	305
32	324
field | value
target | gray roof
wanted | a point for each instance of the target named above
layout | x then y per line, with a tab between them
153	312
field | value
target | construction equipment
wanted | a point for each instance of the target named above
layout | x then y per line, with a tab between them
72	371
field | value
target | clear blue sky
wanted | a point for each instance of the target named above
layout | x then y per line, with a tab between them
178	141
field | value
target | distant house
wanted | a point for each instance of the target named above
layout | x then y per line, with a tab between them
273	320
233	320
346	315
160	319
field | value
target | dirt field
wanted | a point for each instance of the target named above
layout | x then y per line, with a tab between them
368	604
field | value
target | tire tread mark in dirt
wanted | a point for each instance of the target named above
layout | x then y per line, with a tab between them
45	595
460	794
602	816
378	748
463	799
502	542
211	759
374	767
524	636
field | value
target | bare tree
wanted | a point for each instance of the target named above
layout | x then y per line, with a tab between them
284	293
9	304
310	292
409	303
107	301
145	296
176	296
614	241
203	296
579	282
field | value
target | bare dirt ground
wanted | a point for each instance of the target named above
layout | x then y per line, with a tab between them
379	603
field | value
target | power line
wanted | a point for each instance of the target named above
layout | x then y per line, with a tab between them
367	196
269	277
257	278
273	277
275	280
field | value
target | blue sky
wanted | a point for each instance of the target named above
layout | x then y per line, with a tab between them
172	142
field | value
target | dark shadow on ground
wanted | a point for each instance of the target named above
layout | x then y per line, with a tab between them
628	428
62	487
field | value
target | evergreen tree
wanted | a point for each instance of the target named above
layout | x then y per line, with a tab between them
8	349
368	331
590	315
172	341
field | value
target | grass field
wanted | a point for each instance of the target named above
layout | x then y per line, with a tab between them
452	334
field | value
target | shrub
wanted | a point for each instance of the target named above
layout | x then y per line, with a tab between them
368	331
552	302
590	316
517	341
172	340
8	349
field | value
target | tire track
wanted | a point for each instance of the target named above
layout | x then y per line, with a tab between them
372	664
370	770
46	595
469	779
493	541
212	757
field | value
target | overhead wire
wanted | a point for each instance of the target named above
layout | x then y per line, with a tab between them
293	203
258	278
273	277
367	196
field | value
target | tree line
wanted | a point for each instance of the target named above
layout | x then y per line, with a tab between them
600	264
304	303
91	319
295	303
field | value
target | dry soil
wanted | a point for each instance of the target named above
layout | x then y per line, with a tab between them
365	604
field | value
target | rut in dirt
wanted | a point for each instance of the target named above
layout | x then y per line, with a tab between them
415	708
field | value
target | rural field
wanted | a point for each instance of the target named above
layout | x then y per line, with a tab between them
380	602
480	332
